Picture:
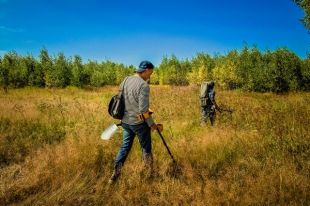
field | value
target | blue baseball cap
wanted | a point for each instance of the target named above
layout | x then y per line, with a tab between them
145	65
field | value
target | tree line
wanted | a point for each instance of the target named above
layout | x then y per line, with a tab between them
248	69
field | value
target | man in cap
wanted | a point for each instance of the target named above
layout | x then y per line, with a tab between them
137	119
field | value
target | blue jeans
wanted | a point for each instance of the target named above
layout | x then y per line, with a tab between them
143	131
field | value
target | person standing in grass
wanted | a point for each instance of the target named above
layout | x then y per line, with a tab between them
208	103
137	119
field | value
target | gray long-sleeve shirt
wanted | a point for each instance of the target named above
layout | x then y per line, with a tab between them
136	94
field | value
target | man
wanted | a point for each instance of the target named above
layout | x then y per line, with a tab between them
208	103
137	119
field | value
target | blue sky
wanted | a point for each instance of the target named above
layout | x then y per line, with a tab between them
133	30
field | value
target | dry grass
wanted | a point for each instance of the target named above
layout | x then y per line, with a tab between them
51	153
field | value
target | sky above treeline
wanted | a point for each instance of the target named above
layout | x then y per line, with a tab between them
130	31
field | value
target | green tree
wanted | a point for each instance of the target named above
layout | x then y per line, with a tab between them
61	74
252	70
258	71
104	73
162	76
111	75
244	79
4	75
305	71
266	77
77	78
201	69
120	73
305	5
171	72
155	77
286	74
225	71
36	74
91	72
16	71
46	65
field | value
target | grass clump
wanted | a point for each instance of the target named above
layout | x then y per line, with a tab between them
22	137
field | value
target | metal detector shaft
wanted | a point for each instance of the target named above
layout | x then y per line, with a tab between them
162	138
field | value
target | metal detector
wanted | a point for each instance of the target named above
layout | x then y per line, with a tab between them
174	170
162	138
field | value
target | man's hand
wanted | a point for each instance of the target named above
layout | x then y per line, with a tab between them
160	127
153	127
157	126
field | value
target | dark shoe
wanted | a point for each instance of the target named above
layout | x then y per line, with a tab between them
116	173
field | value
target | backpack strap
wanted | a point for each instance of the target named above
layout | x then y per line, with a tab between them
121	90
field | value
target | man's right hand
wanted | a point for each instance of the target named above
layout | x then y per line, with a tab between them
153	127
157	126
160	127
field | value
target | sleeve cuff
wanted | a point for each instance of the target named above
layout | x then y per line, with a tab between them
149	121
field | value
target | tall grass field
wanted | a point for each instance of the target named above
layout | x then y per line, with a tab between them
51	152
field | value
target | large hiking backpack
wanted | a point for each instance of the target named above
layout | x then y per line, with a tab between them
116	107
204	90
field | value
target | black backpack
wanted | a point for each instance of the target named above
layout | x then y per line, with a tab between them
117	104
